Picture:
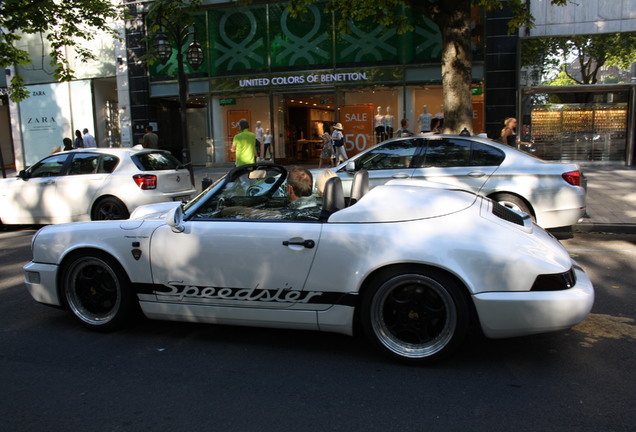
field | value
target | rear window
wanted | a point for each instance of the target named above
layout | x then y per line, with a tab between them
156	161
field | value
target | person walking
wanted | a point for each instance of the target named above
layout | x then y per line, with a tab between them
404	130
150	139
244	144
268	144
79	141
89	140
327	148
509	134
338	143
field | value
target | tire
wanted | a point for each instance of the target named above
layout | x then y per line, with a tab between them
414	316
97	292
513	202
109	208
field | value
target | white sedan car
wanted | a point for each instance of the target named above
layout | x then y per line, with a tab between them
552	193
92	184
416	266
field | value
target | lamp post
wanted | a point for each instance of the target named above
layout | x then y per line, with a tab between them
194	55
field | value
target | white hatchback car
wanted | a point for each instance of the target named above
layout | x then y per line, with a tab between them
552	193
92	184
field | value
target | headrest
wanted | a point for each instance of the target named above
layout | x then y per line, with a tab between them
359	185
332	198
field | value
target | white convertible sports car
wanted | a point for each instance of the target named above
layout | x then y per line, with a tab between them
416	265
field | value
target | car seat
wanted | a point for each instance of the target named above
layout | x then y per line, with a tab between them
359	186
332	198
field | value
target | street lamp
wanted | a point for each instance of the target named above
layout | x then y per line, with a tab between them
194	56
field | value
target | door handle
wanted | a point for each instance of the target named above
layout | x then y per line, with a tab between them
476	174
309	244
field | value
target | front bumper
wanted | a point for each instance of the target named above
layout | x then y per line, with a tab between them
509	314
41	281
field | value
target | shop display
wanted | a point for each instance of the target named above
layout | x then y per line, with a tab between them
579	132
378	124
424	120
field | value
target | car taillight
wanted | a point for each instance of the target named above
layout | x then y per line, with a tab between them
146	181
572	177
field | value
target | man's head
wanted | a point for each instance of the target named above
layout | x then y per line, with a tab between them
148	129
85	131
243	124
299	183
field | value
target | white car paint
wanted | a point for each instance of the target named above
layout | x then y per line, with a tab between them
240	272
552	201
69	198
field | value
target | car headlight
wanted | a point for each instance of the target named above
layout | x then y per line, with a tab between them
555	282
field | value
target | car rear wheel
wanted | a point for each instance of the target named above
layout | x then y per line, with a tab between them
110	208
97	292
415	316
513	202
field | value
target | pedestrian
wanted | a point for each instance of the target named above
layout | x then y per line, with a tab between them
89	140
79	141
259	133
404	130
150	139
68	144
337	138
268	144
509	134
327	148
244	144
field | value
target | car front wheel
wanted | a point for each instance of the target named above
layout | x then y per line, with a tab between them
97	291
415	316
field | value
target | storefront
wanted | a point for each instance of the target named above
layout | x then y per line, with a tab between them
581	123
297	77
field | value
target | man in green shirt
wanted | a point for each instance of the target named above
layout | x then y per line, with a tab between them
244	144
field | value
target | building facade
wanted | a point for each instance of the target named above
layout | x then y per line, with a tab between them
591	123
295	76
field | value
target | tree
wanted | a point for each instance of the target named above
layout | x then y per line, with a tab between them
453	19
64	23
580	58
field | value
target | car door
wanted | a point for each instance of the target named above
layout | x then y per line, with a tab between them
459	162
33	197
393	159
78	187
224	258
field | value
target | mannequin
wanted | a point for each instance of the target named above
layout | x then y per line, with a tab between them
425	120
388	123
260	133
378	123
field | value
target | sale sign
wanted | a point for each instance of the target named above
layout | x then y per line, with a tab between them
232	128
357	125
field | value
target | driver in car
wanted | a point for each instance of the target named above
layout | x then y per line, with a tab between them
303	205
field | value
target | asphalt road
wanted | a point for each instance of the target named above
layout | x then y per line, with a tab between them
162	376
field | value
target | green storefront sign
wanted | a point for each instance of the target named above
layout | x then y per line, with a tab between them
227	101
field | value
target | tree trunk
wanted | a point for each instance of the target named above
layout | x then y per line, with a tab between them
454	23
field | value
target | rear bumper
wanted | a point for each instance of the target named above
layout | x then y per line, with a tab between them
509	314
40	280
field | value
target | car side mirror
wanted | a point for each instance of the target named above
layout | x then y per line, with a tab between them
174	219
350	167
22	174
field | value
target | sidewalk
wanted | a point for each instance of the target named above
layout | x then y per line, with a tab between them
611	199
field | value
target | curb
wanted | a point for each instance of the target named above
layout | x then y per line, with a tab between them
608	228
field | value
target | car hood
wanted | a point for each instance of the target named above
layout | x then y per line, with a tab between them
403	200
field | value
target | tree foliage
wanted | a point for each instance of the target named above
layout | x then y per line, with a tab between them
588	53
63	23
452	17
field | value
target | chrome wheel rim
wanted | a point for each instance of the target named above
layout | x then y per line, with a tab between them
93	291
413	316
